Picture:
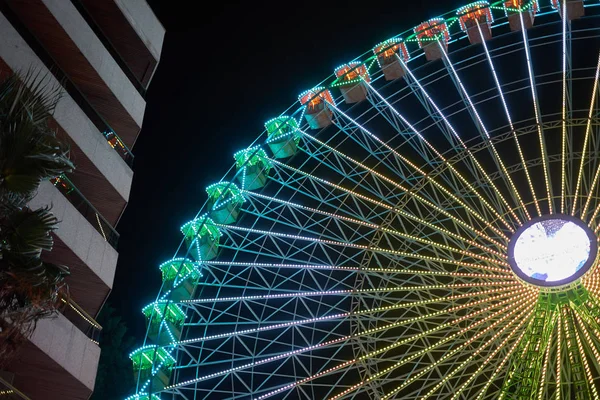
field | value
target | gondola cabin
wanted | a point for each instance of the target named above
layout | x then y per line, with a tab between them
351	80
143	396
164	320
433	38
202	238
224	202
252	167
180	277
283	136
154	365
574	8
520	13
476	21
317	113
390	56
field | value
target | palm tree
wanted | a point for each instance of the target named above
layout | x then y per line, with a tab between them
30	153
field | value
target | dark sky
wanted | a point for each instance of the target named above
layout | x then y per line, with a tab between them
223	72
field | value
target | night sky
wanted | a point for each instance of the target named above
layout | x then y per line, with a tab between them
224	71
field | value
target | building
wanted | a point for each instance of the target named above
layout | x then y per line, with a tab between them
104	54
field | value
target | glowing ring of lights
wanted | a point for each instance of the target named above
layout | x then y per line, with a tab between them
547	244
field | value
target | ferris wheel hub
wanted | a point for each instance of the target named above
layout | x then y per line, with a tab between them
552	251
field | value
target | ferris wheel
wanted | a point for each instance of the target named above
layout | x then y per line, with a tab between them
421	225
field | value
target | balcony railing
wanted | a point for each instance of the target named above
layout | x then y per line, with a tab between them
9	392
81	319
72	89
85	208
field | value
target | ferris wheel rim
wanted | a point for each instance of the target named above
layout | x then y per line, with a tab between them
226	179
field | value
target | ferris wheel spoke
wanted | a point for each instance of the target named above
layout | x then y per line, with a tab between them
582	381
484	133
566	106
192	302
538	117
379	102
499	367
515	136
383	272
452	133
588	129
399	342
458	222
267	205
591	345
295	208
434	312
443	340
392	257
524	372
442	292
419	195
325	245
262	361
478	122
521	318
543	382
559	355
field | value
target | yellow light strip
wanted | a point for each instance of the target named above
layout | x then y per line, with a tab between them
434	314
558	355
415	195
537	116
497	371
520	300
586	366
518	304
545	366
359	246
588	129
589	198
591	345
594	215
564	118
475	353
384	205
485	362
379	227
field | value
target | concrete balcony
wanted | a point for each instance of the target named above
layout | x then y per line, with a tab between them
101	175
144	22
91	259
58	362
130	31
68	39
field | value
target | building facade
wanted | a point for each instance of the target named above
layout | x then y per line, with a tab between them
104	54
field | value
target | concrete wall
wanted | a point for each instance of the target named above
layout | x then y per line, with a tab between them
19	57
94	51
68	347
78	234
144	22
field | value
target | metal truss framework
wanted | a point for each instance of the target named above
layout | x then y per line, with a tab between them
373	263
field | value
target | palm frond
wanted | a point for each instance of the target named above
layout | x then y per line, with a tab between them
30	152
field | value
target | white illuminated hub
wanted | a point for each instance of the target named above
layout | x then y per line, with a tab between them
552	251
